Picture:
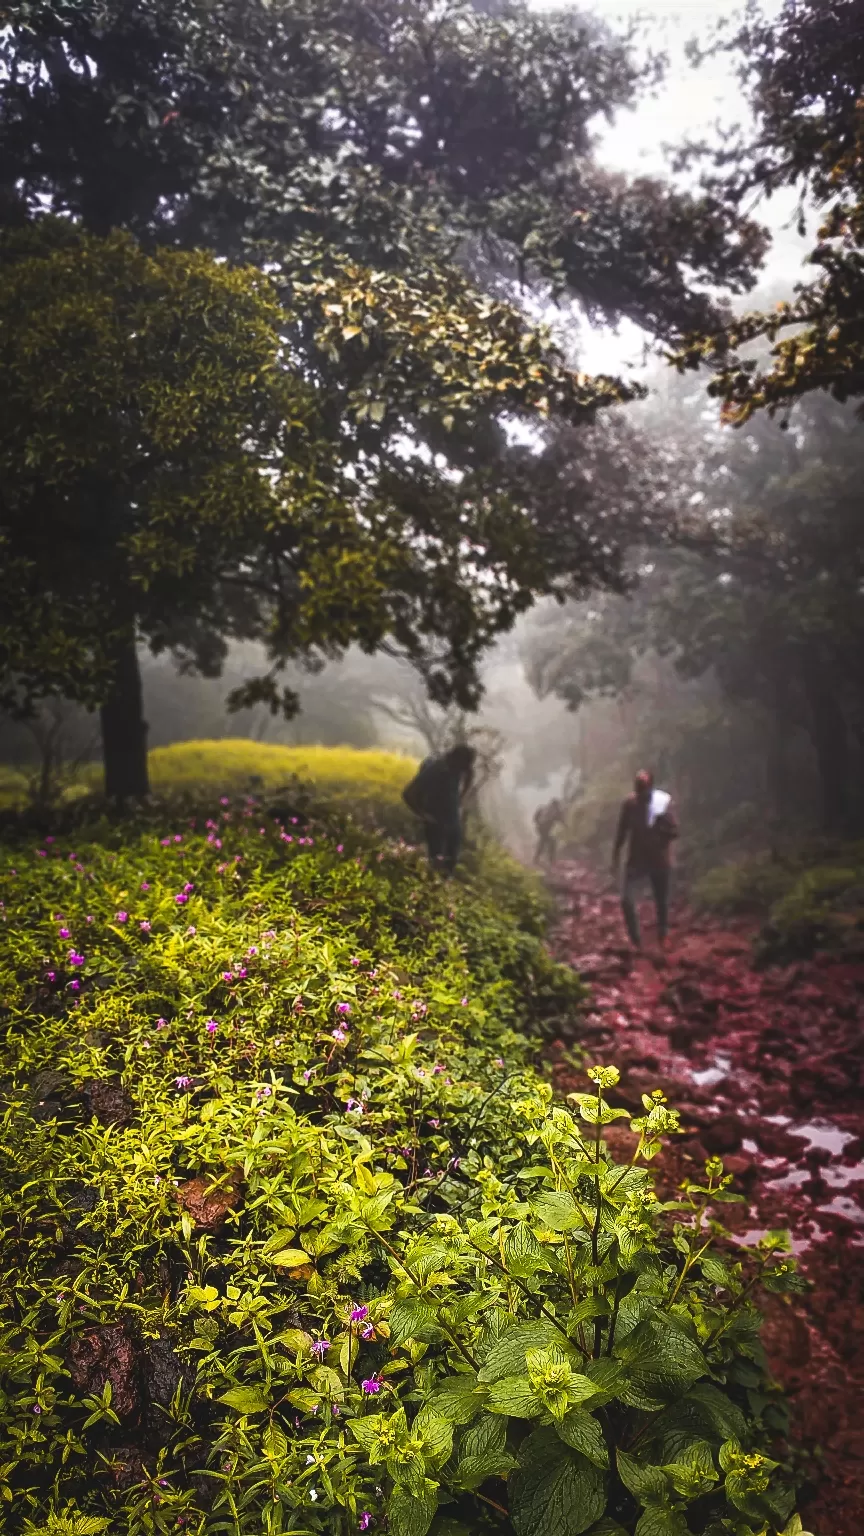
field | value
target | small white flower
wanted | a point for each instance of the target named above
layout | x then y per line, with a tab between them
312	1494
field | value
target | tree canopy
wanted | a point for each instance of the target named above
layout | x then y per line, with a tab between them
761	590
367	158
804	71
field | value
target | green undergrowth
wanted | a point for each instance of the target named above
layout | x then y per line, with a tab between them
294	1236
810	898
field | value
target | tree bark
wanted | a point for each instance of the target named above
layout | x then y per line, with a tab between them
124	729
830	735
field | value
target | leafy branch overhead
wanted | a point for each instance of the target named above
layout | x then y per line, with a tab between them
189	439
804	70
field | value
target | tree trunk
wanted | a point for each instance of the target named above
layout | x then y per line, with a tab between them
830	736
124	729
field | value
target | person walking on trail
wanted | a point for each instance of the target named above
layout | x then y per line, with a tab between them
648	827
546	819
436	794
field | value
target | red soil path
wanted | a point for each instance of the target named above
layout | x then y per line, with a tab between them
767	1068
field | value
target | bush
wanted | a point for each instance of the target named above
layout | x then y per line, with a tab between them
744	886
294	1237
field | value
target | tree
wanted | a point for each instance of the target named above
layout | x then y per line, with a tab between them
365	155
761	588
171	472
804	71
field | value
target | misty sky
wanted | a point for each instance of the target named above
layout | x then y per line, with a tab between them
688	105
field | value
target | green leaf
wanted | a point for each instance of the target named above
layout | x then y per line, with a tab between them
413	1319
245	1399
648	1483
523	1255
290	1258
514	1395
483	1453
660	1358
507	1356
584	1433
436	1435
662	1522
557	1210
274	1443
410	1513
555	1491
693	1472
456	1399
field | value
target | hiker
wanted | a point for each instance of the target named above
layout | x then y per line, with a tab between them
648	827
546	819
436	794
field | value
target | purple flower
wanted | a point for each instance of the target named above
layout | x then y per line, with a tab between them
242	973
64	933
464	1002
498	1061
365	1520
343	1008
41	853
74	986
181	898
189	886
183	1082
50	839
144	925
307	1074
145	885
88	919
368	1332
252	950
371	1386
224	800
36	1408
360	1314
339	1036
211	1026
320	1348
121	917
178	837
191	932
161	1023
340	848
51	975
354	960
227	975
75	958
353	1107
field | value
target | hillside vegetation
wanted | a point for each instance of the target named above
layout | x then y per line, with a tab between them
294	1237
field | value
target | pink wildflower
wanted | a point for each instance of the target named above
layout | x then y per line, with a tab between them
121	917
372	1386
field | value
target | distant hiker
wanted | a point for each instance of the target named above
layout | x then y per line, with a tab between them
435	794
546	819
648	827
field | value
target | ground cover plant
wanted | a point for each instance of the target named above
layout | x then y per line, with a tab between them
811	898
294	1236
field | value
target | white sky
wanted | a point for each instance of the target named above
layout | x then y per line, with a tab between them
688	105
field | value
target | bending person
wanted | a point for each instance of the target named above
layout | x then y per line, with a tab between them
436	794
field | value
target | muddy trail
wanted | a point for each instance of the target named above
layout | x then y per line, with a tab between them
767	1068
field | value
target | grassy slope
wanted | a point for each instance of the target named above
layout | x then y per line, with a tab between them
366	779
118	1096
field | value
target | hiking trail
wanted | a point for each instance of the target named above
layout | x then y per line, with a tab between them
767	1069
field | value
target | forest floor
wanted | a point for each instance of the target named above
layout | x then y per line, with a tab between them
767	1068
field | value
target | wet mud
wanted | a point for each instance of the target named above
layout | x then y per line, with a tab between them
767	1069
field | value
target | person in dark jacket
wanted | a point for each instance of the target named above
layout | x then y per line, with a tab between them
435	794
546	819
647	826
